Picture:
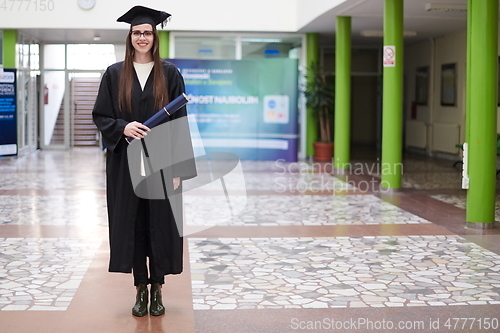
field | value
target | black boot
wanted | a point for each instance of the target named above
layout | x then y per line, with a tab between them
156	308
140	308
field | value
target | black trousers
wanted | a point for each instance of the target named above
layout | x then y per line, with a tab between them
142	249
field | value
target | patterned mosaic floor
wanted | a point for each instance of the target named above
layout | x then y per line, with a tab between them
460	201
248	273
42	274
420	173
82	209
448	179
52	181
294	182
276	210
273	273
411	164
433	180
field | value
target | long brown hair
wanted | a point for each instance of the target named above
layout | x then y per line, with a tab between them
160	91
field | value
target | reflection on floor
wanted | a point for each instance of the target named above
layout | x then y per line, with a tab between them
309	247
460	201
282	210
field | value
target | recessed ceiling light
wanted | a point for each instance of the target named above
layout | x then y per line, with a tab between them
380	33
445	7
261	40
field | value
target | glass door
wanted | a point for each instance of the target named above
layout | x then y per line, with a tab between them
55	119
83	88
70	81
54	102
28	74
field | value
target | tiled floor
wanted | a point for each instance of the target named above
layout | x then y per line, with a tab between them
341	272
459	200
309	252
285	210
43	274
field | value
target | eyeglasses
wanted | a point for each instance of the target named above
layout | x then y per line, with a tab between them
138	34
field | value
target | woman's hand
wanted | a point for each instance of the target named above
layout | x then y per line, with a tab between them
136	130
177	182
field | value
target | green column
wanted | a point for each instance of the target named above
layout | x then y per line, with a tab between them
164	43
483	113
392	99
312	58
9	48
467	75
342	132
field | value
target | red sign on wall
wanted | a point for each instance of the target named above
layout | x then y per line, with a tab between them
389	56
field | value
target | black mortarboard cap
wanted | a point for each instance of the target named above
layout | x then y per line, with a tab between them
141	15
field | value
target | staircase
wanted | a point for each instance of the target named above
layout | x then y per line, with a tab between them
84	92
58	134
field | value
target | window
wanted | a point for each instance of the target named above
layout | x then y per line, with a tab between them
260	48
90	56
422	85
54	56
188	47
35	56
448	85
236	46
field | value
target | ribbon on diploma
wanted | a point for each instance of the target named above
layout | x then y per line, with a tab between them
164	114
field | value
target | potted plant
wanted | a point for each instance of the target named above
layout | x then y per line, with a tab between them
319	95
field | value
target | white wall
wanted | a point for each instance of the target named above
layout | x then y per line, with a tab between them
435	53
308	10
187	15
450	49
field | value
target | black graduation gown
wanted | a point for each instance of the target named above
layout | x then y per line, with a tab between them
166	243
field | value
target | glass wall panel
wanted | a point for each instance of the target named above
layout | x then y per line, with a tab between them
90	56
83	87
67	101
261	48
27	95
223	47
54	56
35	56
55	84
25	52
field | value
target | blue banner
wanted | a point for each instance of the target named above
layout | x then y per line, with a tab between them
8	125
246	107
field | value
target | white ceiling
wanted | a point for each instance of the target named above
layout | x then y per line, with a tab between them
366	15
369	15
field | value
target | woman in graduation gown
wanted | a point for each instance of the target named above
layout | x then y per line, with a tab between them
131	92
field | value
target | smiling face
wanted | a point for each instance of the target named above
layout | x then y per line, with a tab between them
142	38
